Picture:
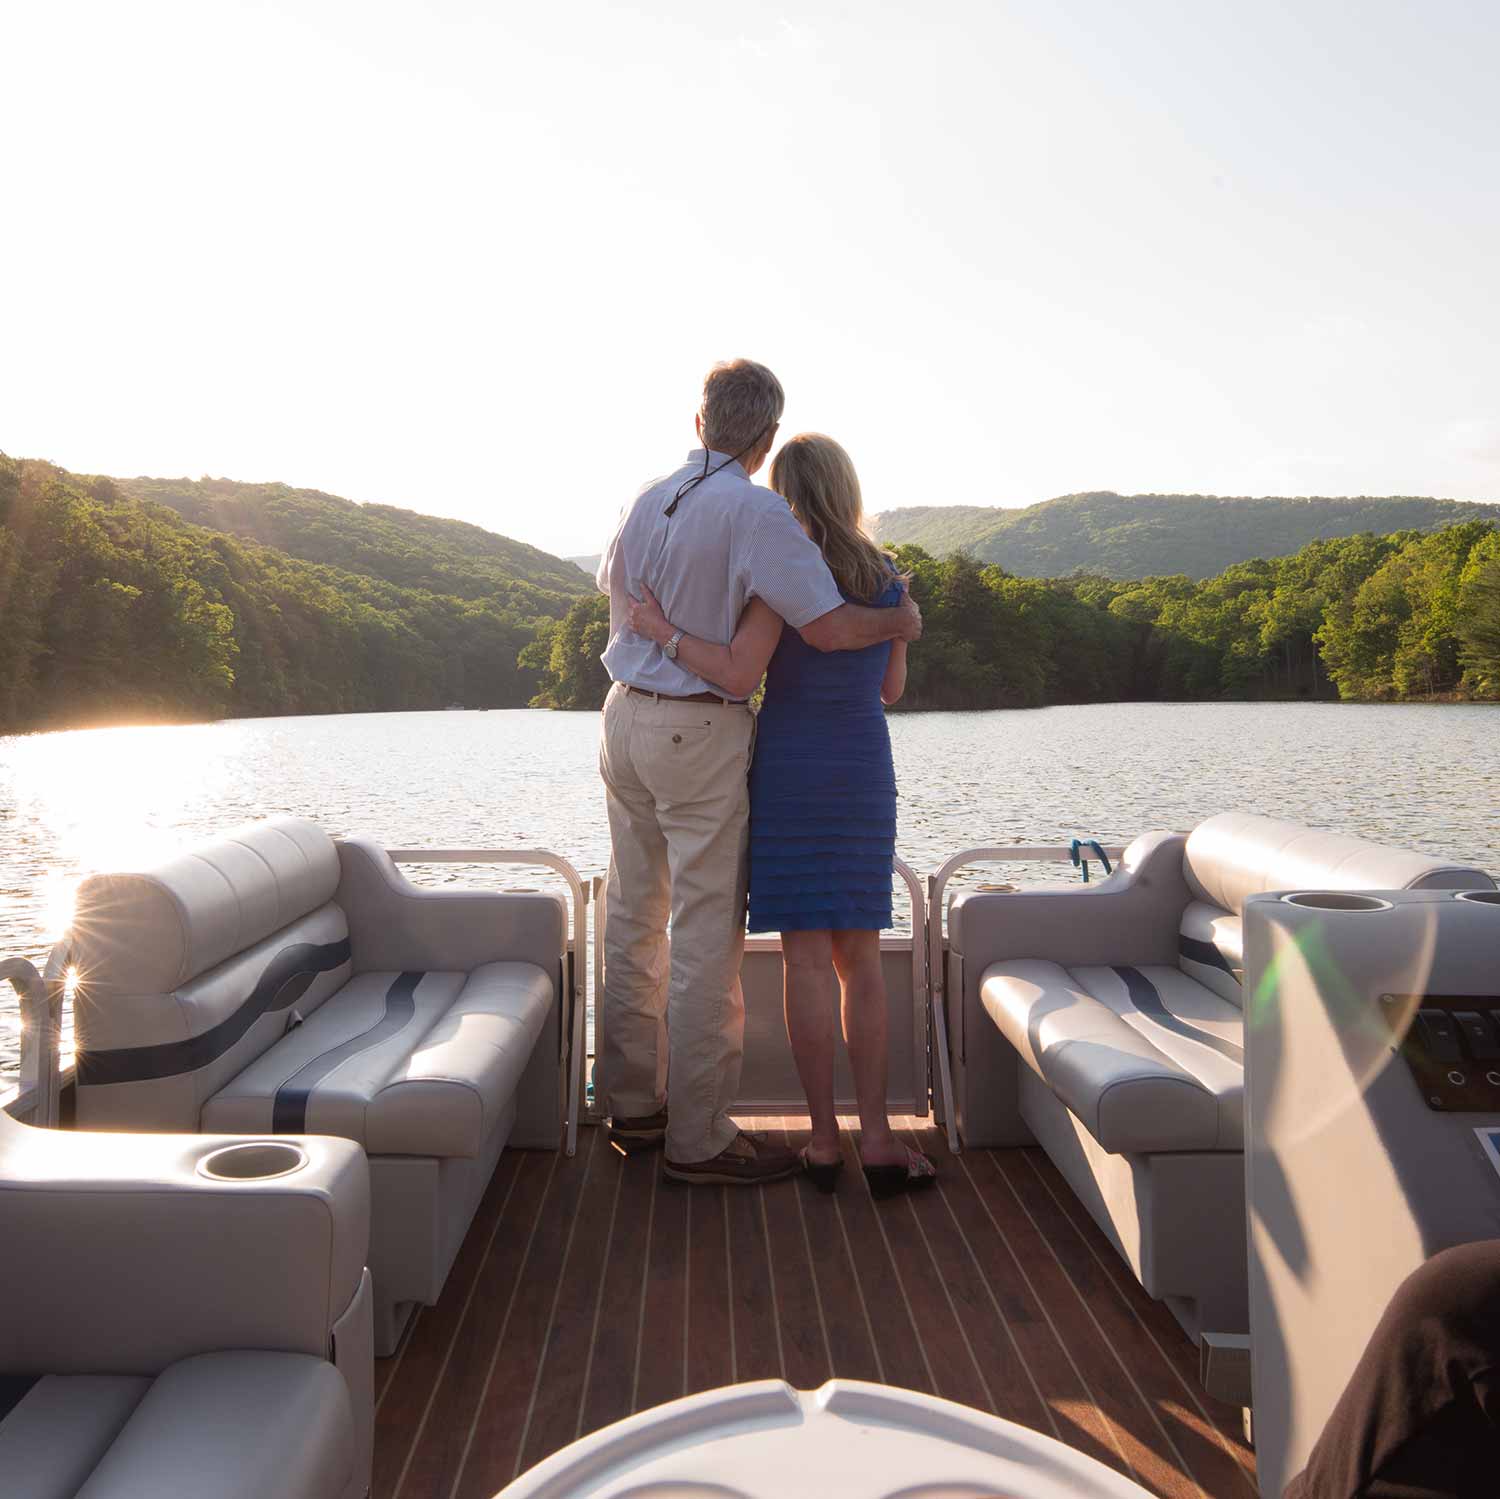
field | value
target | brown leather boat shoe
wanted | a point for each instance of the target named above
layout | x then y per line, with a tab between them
643	1133
746	1161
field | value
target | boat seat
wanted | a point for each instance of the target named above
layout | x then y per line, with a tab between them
279	982
403	1063
1147	1058
217	1425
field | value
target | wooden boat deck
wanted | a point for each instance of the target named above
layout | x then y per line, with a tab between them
592	1287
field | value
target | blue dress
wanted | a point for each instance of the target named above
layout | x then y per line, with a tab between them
823	791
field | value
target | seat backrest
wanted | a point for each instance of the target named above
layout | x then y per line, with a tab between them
189	970
1237	854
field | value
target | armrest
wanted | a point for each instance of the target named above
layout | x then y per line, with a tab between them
120	1256
1131	917
394	924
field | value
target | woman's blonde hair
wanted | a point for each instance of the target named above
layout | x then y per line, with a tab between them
817	479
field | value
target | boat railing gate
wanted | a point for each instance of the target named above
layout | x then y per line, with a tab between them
573	1048
937	944
41	1023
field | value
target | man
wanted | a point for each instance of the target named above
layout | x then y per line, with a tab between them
674	757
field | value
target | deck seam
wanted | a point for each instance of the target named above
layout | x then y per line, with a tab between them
812	1266
734	1359
588	1364
859	1291
562	1273
1184	1466
458	1328
395	1369
1192	1394
771	1273
687	1285
640	1321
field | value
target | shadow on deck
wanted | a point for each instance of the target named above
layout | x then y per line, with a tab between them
593	1287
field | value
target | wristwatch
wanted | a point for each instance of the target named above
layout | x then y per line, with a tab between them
669	650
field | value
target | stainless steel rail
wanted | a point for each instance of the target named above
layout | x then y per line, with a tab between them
937	968
41	1020
573	1028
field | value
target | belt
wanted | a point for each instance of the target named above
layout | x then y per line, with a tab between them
691	697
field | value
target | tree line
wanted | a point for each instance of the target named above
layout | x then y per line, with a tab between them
113	607
1411	615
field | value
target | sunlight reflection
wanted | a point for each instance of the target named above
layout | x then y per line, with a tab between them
113	798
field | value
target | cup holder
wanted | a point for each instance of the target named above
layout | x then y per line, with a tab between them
255	1160
1480	897
1336	900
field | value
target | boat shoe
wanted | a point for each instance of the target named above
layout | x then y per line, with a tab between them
746	1161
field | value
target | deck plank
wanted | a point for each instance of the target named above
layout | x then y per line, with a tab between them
559	1389
1176	1349
611	1374
1195	1461
411	1375
1056	1370
592	1285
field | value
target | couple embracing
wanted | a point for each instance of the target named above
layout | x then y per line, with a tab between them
713	582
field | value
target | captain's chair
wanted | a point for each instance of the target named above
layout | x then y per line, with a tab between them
183	1314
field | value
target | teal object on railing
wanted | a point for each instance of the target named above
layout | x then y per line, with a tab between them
1075	853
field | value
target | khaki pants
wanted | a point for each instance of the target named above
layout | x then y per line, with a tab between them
671	1027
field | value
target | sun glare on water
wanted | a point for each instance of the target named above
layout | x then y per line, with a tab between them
116	798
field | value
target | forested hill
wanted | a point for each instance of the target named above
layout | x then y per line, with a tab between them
1153	535
380	541
115	608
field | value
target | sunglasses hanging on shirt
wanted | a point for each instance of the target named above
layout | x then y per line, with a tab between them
690	484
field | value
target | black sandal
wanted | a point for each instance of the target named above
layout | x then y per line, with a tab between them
824	1174
890	1181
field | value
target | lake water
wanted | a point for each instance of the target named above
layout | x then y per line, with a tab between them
1423	777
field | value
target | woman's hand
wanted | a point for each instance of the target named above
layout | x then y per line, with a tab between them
646	618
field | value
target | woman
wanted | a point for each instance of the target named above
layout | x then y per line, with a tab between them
822	809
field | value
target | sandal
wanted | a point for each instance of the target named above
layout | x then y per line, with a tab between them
824	1174
889	1181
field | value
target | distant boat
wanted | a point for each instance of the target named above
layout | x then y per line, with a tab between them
455	708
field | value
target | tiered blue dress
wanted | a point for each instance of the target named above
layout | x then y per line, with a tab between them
823	791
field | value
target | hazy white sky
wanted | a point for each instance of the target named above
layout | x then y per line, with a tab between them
473	258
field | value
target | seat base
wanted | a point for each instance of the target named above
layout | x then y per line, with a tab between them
421	1208
1177	1219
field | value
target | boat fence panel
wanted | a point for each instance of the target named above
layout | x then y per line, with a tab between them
573	1041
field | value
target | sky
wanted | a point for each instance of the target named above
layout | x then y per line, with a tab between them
474	258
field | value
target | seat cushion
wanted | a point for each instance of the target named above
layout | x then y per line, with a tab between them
56	1433
234	1426
1211	949
1133	1054
404	1063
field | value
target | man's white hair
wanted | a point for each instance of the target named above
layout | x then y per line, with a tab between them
742	401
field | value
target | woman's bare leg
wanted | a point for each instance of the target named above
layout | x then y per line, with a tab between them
856	955
810	986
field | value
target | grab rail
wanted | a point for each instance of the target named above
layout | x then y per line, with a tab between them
937	969
41	1020
573	1033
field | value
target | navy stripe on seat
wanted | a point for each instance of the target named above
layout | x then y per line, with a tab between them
288	976
289	1110
1145	996
1197	951
14	1388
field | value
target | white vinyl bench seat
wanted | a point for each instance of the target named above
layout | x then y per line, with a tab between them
403	1063
1147	1059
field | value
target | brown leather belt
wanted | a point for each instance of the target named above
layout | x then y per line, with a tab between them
692	697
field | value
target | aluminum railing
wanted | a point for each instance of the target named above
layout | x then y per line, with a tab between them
573	1048
41	1020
